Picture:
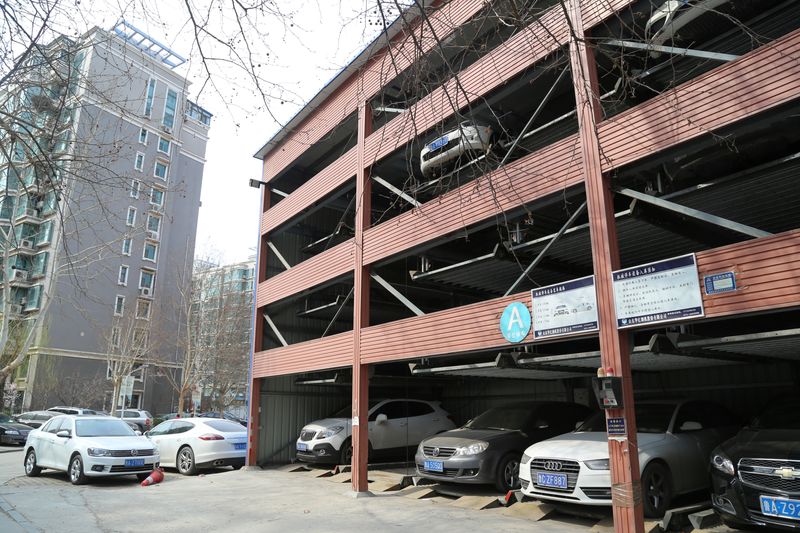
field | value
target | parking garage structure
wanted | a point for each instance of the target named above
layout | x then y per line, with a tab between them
610	157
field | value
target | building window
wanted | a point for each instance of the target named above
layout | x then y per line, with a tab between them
131	221
160	170
143	309
123	275
115	332
163	145
154	225
147	279
169	108
150	251
126	246
138	164
151	92
156	197
119	305
135	186
140	339
143	136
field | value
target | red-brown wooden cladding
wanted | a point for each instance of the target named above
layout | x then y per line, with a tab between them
379	70
335	351
323	267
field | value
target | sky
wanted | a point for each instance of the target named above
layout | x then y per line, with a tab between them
295	54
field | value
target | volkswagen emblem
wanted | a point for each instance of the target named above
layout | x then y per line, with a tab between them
134	452
435	452
552	465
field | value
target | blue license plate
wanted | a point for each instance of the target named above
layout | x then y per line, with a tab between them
556	481
438	143
302	447
134	462
434	466
780	507
240	446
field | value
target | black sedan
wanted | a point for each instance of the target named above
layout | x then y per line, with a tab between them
756	474
488	449
35	419
13	432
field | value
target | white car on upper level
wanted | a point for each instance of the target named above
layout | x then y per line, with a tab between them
672	16
394	425
467	138
675	441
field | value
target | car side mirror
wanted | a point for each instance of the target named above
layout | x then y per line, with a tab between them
381	419
691	425
64	434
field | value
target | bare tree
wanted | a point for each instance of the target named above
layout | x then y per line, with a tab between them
129	349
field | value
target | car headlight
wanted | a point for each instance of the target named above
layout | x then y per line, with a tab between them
12	432
419	448
721	462
99	452
329	432
525	459
472	449
597	464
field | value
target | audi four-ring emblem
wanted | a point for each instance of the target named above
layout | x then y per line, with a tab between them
552	465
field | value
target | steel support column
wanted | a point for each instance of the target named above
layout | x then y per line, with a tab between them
614	345
360	438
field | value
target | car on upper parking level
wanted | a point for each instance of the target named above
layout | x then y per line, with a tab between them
443	152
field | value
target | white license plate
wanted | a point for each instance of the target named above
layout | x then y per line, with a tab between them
302	447
780	507
556	481
134	462
434	466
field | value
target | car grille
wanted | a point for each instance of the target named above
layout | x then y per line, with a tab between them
570	468
127	453
597	493
443	453
306	435
760	473
121	469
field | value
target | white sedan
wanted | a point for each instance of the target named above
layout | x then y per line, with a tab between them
89	446
189	444
675	440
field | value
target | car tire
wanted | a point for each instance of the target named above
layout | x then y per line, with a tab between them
656	490
346	452
185	461
507	475
75	472
31	468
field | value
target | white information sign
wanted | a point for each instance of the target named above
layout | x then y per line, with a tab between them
564	308
127	387
658	292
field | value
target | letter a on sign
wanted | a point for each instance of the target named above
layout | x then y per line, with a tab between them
515	322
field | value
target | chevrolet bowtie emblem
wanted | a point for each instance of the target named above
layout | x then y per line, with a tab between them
787	473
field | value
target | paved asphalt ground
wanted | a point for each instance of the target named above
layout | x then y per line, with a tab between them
232	501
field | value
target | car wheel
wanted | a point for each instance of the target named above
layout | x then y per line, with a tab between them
31	470
346	453
76	475
657	490
185	462
507	477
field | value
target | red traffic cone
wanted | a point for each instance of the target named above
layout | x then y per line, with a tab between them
156	476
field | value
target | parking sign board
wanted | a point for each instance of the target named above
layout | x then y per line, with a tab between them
564	308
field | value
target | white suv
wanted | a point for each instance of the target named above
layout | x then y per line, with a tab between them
393	425
467	137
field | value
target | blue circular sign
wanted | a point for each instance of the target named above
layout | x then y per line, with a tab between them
515	322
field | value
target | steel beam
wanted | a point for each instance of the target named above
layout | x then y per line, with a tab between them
578	212
280	193
714	56
278	254
385	109
696	214
275	330
397	294
338	312
398	192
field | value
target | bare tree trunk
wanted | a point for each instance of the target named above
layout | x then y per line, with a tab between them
115	395
3	380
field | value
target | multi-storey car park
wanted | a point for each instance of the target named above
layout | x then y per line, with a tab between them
613	148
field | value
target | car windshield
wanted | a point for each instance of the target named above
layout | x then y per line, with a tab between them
650	418
513	417
346	411
103	428
5	418
779	415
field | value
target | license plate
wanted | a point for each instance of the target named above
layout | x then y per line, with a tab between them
556	481
240	446
438	143
780	507
134	462
302	447
434	466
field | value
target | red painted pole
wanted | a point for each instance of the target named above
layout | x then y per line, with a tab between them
614	346
361	279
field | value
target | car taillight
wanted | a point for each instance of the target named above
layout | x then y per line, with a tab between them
211	436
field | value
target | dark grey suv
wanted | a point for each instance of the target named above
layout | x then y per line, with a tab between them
489	447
